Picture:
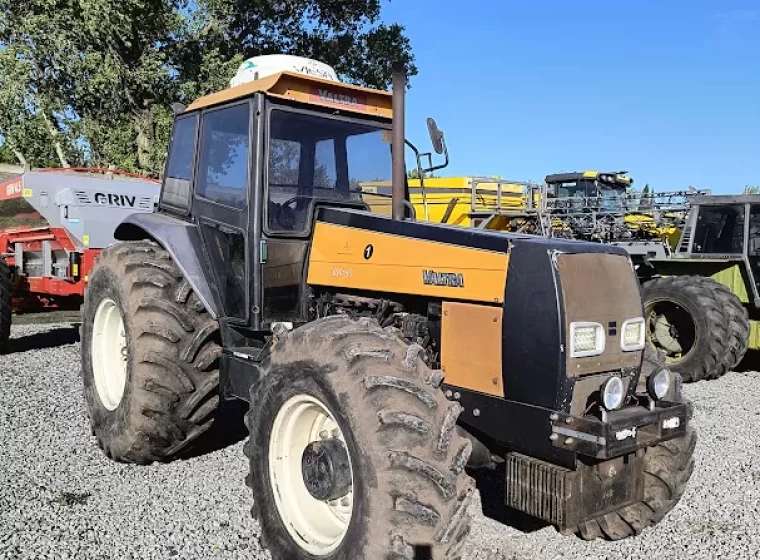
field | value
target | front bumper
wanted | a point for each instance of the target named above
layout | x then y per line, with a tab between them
623	432
567	497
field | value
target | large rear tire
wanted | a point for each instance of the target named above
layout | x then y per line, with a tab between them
364	385
738	327
699	324
150	356
6	309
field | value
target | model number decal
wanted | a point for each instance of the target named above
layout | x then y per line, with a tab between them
450	279
342	272
671	423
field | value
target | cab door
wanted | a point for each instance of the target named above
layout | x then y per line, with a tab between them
222	187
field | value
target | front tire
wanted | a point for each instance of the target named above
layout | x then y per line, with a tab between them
6	307
667	469
409	487
150	356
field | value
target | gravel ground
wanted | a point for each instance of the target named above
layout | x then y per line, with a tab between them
61	498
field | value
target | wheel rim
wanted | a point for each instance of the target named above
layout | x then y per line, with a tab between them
317	527
671	328
109	354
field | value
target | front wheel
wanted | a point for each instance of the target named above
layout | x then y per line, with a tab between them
150	356
353	450
667	469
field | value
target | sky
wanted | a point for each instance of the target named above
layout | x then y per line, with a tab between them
668	90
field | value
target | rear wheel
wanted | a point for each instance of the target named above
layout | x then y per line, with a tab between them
353	450
149	356
738	327
6	309
700	326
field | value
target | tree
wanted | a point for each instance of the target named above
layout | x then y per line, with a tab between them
345	34
645	202
27	123
752	189
93	80
415	174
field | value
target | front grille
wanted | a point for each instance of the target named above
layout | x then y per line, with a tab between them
536	488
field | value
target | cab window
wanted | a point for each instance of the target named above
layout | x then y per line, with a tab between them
179	169
719	229
316	158
223	168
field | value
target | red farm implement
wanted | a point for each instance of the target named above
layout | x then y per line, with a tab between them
57	222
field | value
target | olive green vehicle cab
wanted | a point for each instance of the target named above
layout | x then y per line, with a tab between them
702	304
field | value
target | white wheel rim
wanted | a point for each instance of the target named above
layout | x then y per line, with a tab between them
317	527
109	354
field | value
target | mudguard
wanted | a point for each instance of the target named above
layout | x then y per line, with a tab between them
183	242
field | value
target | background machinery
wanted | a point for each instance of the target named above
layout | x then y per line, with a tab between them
699	295
702	303
57	221
382	357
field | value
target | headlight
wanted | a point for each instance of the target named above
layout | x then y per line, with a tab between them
658	384
586	339
613	393
632	335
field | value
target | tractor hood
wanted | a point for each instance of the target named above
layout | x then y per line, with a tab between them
544	286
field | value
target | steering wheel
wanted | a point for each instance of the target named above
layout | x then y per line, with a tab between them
286	216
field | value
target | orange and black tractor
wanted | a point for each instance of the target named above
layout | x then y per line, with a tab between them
383	359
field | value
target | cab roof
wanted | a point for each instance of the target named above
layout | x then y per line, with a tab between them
566	177
309	90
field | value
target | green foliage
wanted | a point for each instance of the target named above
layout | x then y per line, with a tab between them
415	174
752	189
91	82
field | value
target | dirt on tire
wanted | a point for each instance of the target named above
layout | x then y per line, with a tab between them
6	307
171	393
720	321
410	485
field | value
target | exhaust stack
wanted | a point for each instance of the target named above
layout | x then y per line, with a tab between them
398	146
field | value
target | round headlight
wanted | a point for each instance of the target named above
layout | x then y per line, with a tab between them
658	384
613	393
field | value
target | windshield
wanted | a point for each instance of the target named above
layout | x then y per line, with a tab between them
313	157
612	198
575	189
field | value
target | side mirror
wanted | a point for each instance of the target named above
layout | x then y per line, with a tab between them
436	136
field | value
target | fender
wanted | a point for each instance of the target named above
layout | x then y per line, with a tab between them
183	242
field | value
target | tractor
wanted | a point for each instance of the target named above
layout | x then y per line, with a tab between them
383	359
61	218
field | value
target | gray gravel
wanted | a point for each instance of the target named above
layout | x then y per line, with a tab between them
61	498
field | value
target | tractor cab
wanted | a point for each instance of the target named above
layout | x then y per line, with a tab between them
256	160
722	236
590	189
